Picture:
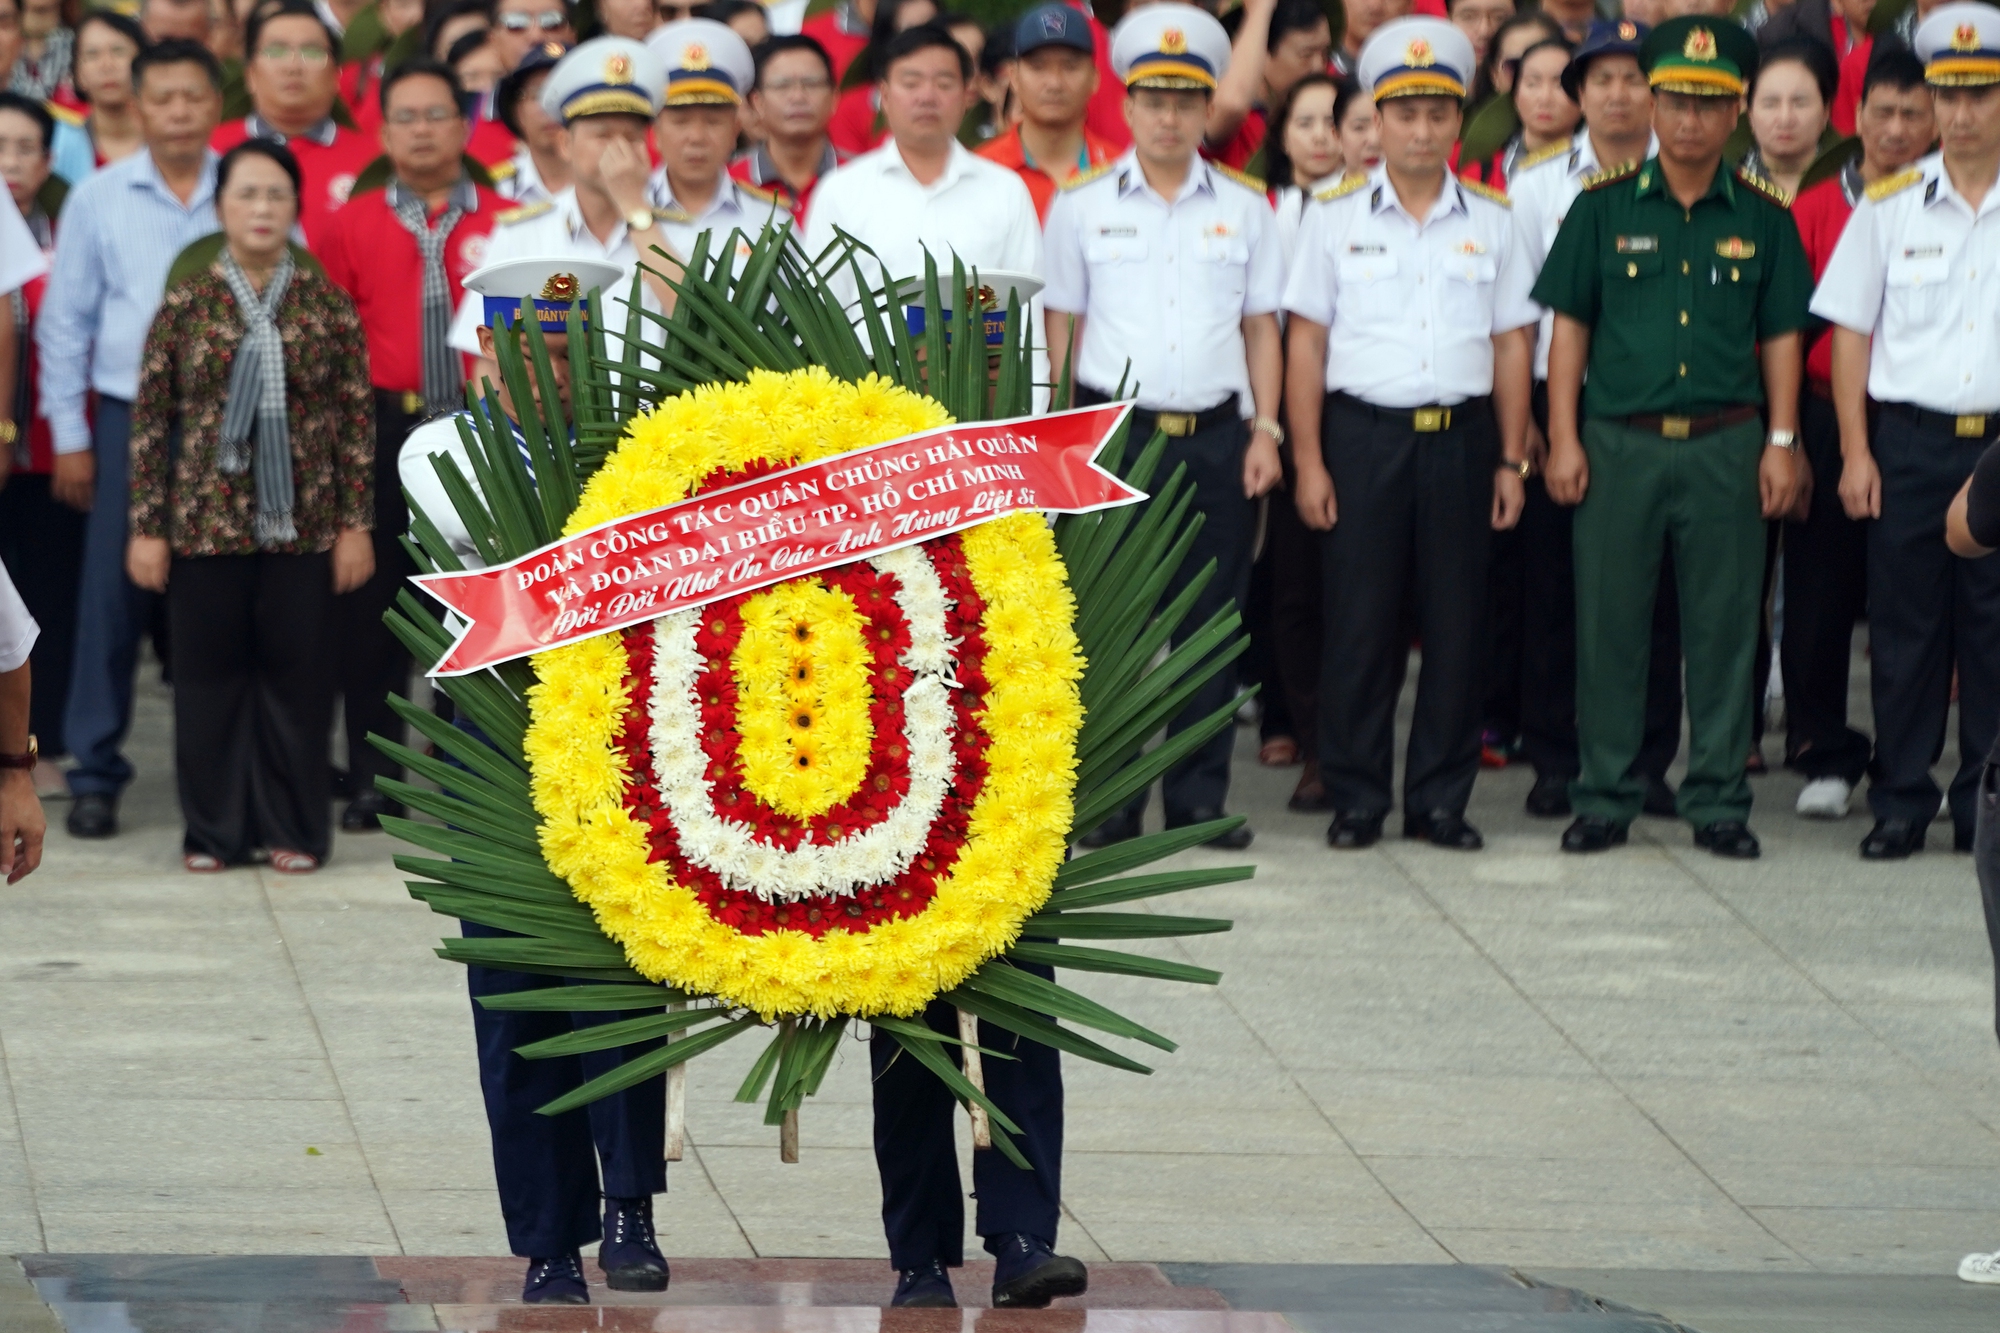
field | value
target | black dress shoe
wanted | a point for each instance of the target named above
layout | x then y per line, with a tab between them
1120	827
1729	838
556	1281
1235	840
1443	828
1593	833
1892	840
1961	837
925	1288
1659	800
1549	797
630	1253
95	815
1351	832
1029	1273
364	813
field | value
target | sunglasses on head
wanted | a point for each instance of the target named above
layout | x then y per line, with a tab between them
548	21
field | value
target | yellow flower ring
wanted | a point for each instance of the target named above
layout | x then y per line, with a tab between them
838	795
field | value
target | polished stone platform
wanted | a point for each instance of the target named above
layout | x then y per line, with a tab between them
400	1294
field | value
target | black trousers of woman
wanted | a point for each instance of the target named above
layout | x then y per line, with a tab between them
41	544
253	701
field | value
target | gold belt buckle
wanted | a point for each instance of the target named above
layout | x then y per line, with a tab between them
413	403
1971	427
1675	428
1176	424
1430	420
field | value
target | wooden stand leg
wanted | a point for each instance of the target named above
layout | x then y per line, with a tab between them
975	1074
677	1107
788	1138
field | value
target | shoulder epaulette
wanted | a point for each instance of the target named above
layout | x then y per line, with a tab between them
674	213
757	192
1770	189
1083	178
1486	192
521	214
67	115
1597	180
502	171
1545	154
1345	186
1895	184
1243	178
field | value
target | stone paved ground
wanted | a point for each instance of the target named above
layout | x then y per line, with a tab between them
1650	1060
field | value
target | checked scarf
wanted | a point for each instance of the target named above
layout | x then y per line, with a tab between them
257	400
444	385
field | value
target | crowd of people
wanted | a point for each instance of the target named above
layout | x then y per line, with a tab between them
155	331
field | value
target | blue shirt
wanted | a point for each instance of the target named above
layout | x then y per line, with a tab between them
121	229
72	156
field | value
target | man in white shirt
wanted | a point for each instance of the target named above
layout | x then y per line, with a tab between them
921	190
1409	348
22	823
709	72
1912	290
1167	266
1603	78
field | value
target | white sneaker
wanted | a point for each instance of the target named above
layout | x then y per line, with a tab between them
1825	798
1984	1268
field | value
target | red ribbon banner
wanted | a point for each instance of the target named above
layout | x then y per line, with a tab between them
780	526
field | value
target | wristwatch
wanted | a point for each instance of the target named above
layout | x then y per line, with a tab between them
1783	439
1523	468
9	432
1270	428
639	219
22	760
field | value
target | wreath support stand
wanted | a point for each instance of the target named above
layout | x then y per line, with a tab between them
975	1074
677	1102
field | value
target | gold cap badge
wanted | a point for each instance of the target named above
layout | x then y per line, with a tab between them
1965	37
562	286
694	56
1418	55
1173	42
618	69
1700	45
1627	30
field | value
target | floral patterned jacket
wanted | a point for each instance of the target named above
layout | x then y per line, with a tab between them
179	492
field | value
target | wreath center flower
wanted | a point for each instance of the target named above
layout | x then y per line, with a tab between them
801	672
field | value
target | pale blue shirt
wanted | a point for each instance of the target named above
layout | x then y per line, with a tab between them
72	156
121	229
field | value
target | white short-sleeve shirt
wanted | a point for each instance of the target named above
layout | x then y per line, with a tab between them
1163	285
1919	271
21	257
1410	307
556	228
18	630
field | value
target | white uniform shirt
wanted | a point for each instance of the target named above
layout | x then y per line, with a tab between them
733	208
555	230
21	257
1410	308
420	480
1163	285
1290	211
1920	272
978	210
17	628
523	182
1542	193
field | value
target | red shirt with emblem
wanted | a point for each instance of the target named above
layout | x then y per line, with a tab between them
329	170
370	255
1006	149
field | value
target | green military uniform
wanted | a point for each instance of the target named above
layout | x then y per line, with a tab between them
1677	300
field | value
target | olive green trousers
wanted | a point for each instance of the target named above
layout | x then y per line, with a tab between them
1701	495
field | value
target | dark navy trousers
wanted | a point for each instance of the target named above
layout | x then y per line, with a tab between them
548	1167
923	1199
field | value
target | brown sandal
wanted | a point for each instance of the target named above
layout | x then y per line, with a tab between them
1278	752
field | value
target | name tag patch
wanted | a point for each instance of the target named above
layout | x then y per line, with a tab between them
1359	249
1736	248
1117	231
1638	245
1923	251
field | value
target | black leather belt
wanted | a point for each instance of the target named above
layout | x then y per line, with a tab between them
1692	428
1177	424
1422	420
1964	426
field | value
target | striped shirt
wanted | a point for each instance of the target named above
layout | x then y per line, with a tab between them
121	230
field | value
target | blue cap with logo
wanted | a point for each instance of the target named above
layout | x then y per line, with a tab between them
1053	25
1607	37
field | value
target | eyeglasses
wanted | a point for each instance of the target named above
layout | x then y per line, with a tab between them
277	54
807	85
430	115
546	21
674	13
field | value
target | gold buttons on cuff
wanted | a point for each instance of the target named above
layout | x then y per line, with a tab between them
1631	270
1684	266
1684	369
1684	318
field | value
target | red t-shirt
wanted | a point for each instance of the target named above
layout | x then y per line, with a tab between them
491	143
329	170
1847	97
841	45
41	440
370	255
857	124
1007	151
361	89
1242	145
1821	212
